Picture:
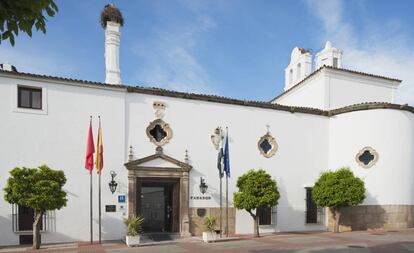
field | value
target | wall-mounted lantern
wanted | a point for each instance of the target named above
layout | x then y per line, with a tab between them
203	186
113	184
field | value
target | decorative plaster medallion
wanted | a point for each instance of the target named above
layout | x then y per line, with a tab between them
267	145
159	109
159	132
216	137
367	157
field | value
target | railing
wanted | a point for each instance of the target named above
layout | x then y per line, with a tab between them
15	221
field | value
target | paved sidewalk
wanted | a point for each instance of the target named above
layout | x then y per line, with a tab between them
401	241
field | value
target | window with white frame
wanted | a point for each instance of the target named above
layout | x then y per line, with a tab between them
29	97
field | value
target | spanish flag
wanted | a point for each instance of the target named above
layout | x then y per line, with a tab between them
99	150
89	149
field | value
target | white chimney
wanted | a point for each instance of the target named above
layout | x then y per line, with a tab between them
111	21
112	41
329	56
8	67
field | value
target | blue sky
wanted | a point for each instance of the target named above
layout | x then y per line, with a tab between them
235	48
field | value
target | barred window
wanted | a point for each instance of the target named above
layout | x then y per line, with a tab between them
23	218
267	215
314	215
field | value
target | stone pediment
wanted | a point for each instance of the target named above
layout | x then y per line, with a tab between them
160	161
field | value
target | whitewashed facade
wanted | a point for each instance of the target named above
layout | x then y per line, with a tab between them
309	142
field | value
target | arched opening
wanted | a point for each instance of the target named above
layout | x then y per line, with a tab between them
298	71
290	76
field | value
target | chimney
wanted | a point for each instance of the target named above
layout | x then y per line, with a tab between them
329	56
111	21
8	67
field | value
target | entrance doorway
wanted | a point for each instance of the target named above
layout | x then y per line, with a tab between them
158	205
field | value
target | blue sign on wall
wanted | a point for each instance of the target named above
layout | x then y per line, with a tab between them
121	198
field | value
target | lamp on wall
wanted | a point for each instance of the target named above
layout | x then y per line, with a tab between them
113	184
203	186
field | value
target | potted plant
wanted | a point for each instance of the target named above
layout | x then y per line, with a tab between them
210	234
133	230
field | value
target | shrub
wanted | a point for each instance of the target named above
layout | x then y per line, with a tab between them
133	225
336	189
210	223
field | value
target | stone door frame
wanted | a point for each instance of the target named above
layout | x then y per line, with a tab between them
137	169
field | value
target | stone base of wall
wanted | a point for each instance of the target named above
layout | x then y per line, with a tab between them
197	219
373	217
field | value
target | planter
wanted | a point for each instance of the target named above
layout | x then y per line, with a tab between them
210	236
132	241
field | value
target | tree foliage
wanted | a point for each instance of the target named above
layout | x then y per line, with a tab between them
37	188
257	189
336	189
22	15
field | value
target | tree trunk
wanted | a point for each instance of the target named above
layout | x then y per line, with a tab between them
36	228
336	215
256	226
256	223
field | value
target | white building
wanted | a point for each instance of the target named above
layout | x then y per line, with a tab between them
325	119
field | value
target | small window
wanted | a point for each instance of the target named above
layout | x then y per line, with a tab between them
298	73
367	157
335	62
267	215
267	145
291	76
311	208
314	214
158	133
28	97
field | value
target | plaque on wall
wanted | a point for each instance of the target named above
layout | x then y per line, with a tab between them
201	212
110	208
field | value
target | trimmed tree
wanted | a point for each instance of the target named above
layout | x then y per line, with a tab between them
257	190
39	189
336	189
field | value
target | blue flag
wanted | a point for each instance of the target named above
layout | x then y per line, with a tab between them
227	156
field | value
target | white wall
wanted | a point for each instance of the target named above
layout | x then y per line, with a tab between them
346	89
390	133
311	93
332	88
308	144
58	138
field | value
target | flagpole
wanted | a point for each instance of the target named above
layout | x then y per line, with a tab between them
90	205
100	172
221	206
227	188
227	206
100	207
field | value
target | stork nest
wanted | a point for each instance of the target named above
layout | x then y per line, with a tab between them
111	13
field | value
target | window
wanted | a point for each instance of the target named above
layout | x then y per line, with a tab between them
267	145
311	208
267	215
298	71
29	97
314	215
367	157
159	132
291	76
23	219
335	62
